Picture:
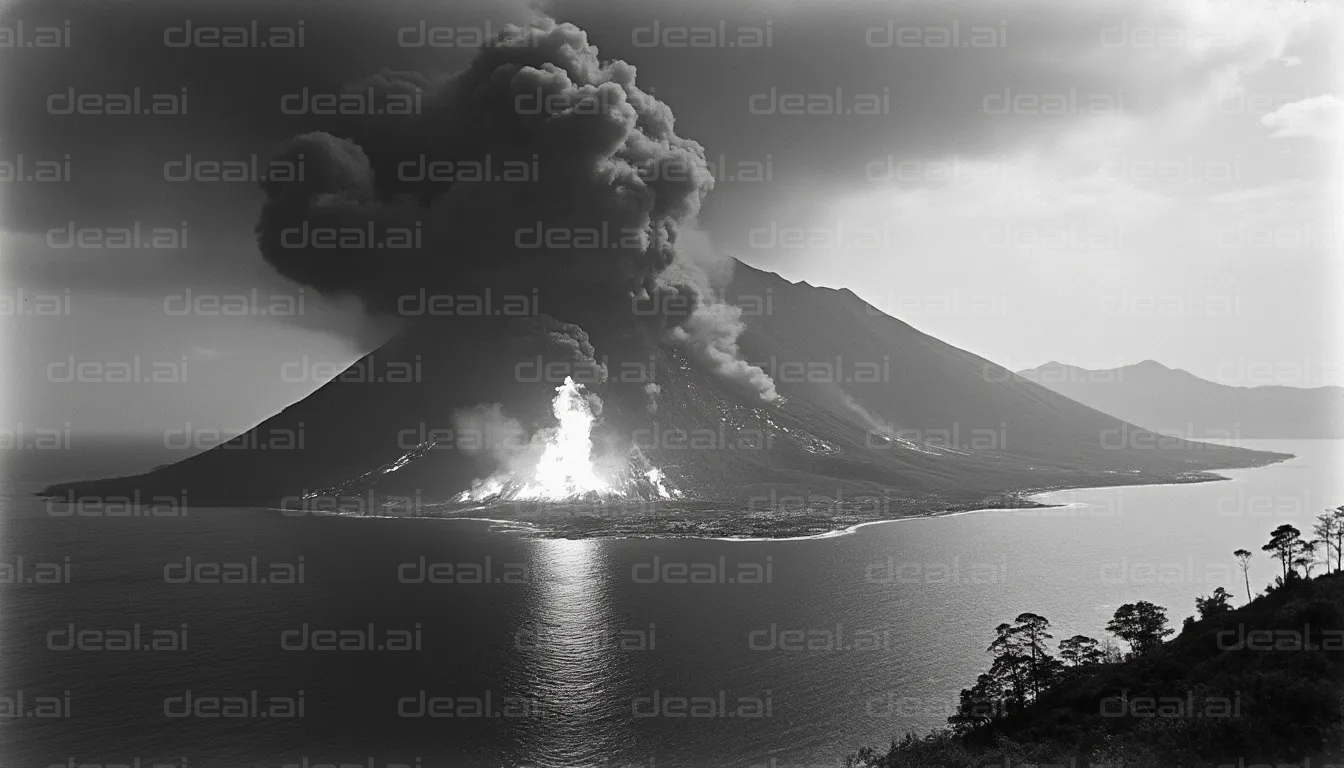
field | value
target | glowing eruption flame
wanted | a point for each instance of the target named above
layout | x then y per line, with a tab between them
564	469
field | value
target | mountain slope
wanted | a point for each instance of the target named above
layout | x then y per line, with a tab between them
869	407
1174	401
1262	684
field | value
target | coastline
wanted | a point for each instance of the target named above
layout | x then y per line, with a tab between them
724	520
1030	504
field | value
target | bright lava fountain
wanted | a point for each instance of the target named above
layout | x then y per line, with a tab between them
564	468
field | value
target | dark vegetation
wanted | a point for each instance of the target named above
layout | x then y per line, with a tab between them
1262	684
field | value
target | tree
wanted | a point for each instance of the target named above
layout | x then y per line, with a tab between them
980	703
1110	652
1020	651
1284	543
1213	605
1338	515
1141	624
1329	530
1010	675
1244	560
1021	669
1306	556
1042	667
1080	651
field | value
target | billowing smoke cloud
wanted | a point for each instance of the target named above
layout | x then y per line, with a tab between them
537	168
488	430
567	340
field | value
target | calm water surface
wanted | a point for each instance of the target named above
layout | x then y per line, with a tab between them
558	653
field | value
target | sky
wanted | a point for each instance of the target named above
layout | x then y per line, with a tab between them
1096	183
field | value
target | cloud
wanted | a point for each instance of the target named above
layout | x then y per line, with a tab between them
1059	71
1295	191
1319	117
203	353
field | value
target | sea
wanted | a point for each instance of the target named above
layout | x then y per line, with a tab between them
197	637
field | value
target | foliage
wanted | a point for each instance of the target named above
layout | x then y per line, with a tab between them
1285	543
1081	651
1143	625
1022	667
1329	530
1289	701
1244	560
1213	605
1288	687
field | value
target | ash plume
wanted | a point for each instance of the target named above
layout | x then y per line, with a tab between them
537	168
567	340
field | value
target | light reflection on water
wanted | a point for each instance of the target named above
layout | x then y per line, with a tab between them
571	657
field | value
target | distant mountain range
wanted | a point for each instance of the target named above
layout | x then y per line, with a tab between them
869	405
1173	401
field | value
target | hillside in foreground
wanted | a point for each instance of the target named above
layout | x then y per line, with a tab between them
1262	684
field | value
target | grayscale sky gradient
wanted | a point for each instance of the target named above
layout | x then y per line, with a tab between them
1097	183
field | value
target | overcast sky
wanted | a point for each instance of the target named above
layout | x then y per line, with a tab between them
1097	183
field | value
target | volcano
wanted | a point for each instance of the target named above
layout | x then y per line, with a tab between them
868	408
631	378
